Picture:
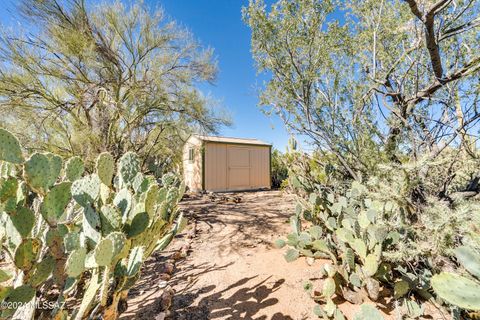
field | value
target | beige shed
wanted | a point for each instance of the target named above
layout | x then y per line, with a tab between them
226	164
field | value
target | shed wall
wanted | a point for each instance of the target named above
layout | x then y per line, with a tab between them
231	167
192	170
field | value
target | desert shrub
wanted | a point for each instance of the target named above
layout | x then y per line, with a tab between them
67	233
279	171
380	240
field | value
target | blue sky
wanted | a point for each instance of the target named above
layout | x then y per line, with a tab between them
218	24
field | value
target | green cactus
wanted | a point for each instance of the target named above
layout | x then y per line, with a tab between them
118	240
111	219
134	261
105	168
103	252
123	201
151	200
469	259
370	265
37	173
105	229
4	276
368	311
91	224
42	271
27	253
55	202
128	167
85	191
75	264
139	224
24	220
74	169
71	241
457	290
10	149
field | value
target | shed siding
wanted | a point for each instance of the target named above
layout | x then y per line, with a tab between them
227	166
215	166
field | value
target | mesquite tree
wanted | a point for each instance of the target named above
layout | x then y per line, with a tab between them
81	79
372	81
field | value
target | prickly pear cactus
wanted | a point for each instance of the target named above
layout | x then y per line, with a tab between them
66	226
459	290
74	169
10	150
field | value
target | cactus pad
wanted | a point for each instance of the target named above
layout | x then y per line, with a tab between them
123	201
91	224
4	276
370	266
470	260
151	200
71	241
37	172
118	240
74	168
105	167
368	311
139	224
42	271
27	253
85	191
22	294
10	150
23	219
128	167
457	290
110	218
104	252
134	261
75	264
55	202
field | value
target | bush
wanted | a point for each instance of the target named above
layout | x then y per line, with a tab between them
379	240
279	169
66	231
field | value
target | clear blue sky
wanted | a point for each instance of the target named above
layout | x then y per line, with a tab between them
218	24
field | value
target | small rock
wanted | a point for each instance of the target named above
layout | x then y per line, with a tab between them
164	276
162	284
161	316
310	261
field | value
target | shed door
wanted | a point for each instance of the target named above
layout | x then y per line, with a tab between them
238	166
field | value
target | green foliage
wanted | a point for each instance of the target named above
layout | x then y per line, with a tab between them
373	246
79	228
279	170
90	77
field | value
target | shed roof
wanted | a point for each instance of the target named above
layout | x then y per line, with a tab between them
232	140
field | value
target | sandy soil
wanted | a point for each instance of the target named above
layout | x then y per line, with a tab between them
232	270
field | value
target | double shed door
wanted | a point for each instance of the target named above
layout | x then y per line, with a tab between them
236	167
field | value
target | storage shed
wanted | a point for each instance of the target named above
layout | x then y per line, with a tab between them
226	164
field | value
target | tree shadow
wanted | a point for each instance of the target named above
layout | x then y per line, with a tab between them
255	220
145	299
244	303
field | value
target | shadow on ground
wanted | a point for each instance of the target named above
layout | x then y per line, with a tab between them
244	303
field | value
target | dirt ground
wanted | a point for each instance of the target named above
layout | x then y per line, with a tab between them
232	270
